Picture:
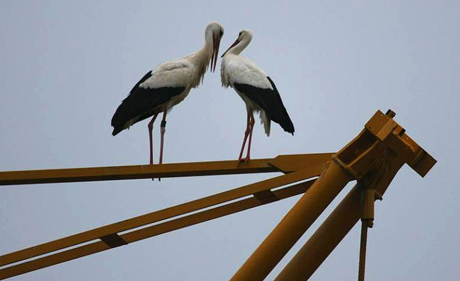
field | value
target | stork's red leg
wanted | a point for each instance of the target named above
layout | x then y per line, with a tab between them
150	126
246	133
251	127
163	130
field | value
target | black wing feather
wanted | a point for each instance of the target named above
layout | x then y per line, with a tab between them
270	101
141	103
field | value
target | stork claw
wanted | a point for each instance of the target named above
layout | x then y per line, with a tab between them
151	163
243	161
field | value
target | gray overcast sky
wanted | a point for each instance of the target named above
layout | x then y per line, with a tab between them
66	65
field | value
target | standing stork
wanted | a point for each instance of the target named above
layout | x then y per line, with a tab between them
255	88
167	85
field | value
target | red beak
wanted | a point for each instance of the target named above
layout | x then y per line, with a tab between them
233	45
215	51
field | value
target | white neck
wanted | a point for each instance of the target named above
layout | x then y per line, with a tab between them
203	56
238	48
201	59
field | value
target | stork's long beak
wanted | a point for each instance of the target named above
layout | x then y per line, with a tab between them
233	45
215	51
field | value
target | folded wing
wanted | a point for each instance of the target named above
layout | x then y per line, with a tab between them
152	93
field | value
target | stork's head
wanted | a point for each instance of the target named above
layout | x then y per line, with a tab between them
243	40
214	32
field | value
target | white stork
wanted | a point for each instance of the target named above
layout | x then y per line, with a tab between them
255	88
167	85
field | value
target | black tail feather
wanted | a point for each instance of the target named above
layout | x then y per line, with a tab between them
140	104
270	101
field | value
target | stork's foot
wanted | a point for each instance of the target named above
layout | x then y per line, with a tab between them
243	161
153	179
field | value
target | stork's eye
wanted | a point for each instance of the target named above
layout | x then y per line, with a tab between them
240	33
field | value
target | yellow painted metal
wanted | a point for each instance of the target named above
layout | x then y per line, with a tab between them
134	172
287	163
382	132
294	224
149	231
334	228
373	158
109	236
324	240
162	215
290	163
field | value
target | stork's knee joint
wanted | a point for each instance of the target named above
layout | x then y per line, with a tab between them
163	123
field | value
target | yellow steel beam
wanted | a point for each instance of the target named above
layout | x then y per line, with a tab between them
283	163
298	167
366	159
373	157
337	225
324	240
134	172
160	215
149	231
294	224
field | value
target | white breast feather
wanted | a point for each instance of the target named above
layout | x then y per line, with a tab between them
241	70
